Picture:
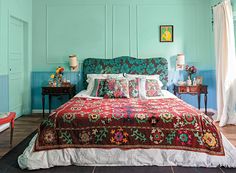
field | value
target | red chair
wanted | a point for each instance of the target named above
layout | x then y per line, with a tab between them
8	118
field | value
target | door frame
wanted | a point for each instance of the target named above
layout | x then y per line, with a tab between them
27	75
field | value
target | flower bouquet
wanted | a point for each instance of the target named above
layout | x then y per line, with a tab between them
57	76
190	70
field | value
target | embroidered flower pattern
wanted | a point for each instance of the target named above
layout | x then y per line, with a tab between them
68	117
166	117
189	118
156	136
130	123
134	88
75	108
116	88
94	117
119	136
153	120
141	118
184	138
49	136
85	137
152	88
209	139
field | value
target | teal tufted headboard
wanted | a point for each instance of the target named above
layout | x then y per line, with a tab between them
126	64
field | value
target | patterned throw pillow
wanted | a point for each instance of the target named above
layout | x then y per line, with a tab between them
98	89
152	88
91	78
116	88
156	76
134	88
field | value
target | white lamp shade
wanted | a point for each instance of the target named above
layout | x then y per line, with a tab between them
73	63
180	61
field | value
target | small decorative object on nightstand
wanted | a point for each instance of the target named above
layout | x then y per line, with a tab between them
193	90
56	79
69	90
190	70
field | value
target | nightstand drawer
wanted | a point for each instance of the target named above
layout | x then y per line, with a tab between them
57	90
193	89
52	90
188	89
182	89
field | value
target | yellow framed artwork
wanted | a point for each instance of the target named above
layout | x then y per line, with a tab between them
166	33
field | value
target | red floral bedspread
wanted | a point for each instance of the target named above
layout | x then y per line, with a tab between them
128	124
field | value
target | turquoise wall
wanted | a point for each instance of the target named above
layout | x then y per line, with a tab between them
107	29
111	28
20	9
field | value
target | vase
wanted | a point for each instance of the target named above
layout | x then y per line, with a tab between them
189	76
54	83
189	81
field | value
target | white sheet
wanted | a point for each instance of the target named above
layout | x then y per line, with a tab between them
117	157
166	94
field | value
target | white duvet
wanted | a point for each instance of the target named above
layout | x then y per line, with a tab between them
117	157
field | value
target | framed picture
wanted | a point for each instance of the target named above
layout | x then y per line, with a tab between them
166	33
199	80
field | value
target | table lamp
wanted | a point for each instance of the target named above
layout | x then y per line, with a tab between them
180	61
73	63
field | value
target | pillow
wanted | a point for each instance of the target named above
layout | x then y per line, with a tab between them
134	87
116	88
98	89
156	76
91	77
152	88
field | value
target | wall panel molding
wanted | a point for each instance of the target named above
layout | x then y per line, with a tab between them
114	16
137	32
128	28
59	60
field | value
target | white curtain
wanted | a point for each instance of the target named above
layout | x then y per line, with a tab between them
225	63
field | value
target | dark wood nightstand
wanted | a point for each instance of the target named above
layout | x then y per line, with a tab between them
69	90
193	90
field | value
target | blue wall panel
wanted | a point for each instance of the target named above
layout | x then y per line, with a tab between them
4	103
41	78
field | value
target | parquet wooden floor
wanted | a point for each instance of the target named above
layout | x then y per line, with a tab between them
25	125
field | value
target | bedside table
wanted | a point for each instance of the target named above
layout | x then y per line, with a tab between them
56	91
193	90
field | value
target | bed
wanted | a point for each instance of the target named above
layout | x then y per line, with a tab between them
161	131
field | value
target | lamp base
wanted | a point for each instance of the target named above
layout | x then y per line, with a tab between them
74	69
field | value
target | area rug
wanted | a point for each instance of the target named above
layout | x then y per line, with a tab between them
8	164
